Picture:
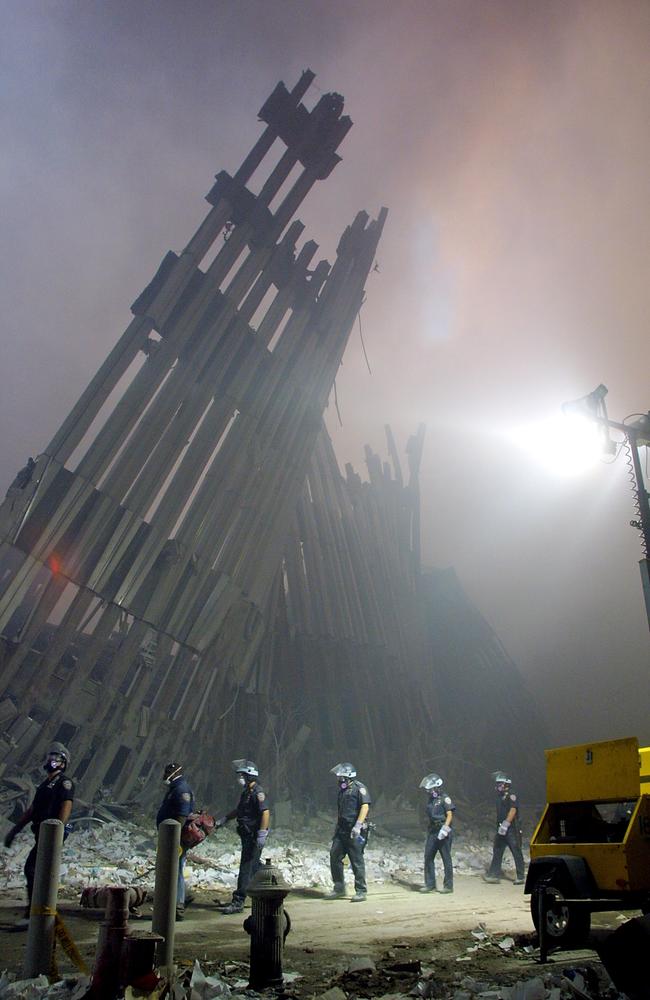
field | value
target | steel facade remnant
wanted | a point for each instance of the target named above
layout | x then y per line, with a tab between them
184	572
138	553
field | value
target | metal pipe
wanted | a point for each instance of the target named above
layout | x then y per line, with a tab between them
42	914
164	903
110	938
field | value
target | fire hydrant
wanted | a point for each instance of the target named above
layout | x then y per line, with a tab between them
268	926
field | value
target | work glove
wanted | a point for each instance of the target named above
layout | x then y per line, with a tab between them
504	827
355	832
443	832
261	837
9	839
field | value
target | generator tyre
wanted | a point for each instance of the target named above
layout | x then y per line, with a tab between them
566	926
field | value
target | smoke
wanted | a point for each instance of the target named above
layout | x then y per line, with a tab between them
509	140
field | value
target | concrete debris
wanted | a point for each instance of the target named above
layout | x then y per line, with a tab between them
585	983
120	852
361	964
23	989
204	987
567	985
533	989
123	853
40	988
335	993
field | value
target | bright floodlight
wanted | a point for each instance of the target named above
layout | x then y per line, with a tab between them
565	445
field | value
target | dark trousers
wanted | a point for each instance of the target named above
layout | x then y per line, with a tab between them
343	845
30	870
432	847
180	885
512	840
249	863
30	862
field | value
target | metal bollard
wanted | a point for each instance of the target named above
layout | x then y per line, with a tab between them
268	926
164	901
42	914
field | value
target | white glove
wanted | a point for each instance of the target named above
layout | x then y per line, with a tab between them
261	837
443	832
504	827
355	832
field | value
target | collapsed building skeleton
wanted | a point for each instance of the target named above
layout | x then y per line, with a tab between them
184	563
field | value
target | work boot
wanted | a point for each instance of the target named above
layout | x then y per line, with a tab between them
234	907
519	881
359	897
428	888
338	892
180	913
491	879
445	889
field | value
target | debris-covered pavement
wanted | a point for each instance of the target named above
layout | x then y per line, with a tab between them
477	943
122	853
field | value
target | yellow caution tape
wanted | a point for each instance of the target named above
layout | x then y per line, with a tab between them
54	969
68	945
61	934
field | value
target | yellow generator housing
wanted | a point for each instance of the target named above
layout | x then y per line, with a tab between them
592	844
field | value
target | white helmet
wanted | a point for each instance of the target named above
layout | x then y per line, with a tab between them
243	766
345	770
431	781
501	778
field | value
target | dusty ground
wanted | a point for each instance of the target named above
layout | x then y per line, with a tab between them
396	925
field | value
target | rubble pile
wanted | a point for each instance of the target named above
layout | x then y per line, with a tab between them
362	977
392	978
123	853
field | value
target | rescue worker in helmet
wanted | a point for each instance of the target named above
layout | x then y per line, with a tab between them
177	804
350	834
508	833
440	810
53	800
253	815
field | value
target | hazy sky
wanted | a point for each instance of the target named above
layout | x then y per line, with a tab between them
510	142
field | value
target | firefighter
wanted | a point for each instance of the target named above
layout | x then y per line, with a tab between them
508	832
350	834
440	810
253	816
177	804
53	800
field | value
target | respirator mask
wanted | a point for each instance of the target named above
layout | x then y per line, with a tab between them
54	762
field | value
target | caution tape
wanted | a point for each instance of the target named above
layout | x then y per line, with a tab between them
62	935
68	945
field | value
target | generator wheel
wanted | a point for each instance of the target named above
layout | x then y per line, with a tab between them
567	926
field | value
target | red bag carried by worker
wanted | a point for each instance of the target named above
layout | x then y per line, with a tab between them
196	828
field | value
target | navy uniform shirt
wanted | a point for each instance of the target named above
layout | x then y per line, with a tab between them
252	803
179	801
350	801
50	796
437	809
505	802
